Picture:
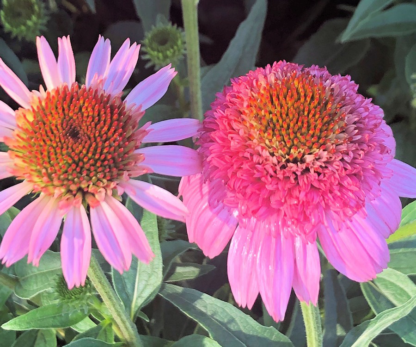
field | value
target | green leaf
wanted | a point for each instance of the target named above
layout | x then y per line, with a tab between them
364	333
296	330
187	271
91	5
84	325
338	320
403	253
173	249
46	338
27	339
196	340
396	21
408	214
50	316
410	67
151	341
102	332
5	292
147	11
90	342
6	218
7	338
240	56
138	286
323	50
12	61
32	279
364	9
226	324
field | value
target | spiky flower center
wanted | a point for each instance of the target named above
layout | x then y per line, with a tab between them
294	117
74	140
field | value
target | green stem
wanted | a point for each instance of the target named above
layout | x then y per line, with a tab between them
7	281
312	320
190	20
113	304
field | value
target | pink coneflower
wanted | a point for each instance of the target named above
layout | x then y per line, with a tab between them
78	146
292	155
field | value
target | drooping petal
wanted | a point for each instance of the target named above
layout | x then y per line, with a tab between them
390	142
155	199
242	265
76	246
14	86
171	160
45	229
307	272
121	67
210	227
111	236
48	64
138	242
7	116
172	130
15	244
149	91
5	132
66	61
275	267
99	61
403	181
10	196
5	164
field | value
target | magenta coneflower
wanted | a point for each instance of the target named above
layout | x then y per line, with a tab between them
78	146
292	155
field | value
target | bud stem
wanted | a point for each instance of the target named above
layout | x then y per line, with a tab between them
113	304
190	20
312	320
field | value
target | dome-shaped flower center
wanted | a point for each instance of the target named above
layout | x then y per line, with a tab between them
294	116
74	140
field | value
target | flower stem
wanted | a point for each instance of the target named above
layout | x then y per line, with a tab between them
312	320
7	281
113	304
190	20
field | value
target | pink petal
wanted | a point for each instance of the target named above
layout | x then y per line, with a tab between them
210	227
307	272
111	236
242	261
66	61
149	91
15	244
403	181
99	61
390	142
5	164
275	266
137	239
155	199
10	196
44	231
171	160
13	86
48	64
172	130
76	246
5	132
7	116
121	67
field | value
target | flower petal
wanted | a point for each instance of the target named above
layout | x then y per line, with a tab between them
5	132
307	272
46	228
16	241
171	160
99	61
403	181
211	227
14	86
48	64
137	239
7	116
242	265
76	246
172	130
149	91
66	61
10	196
5	164
111	236
155	199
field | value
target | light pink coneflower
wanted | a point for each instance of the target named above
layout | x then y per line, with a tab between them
78	146
291	156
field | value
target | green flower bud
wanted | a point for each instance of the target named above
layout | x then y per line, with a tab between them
24	19
77	294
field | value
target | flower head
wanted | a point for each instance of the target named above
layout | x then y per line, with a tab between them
292	155
78	147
